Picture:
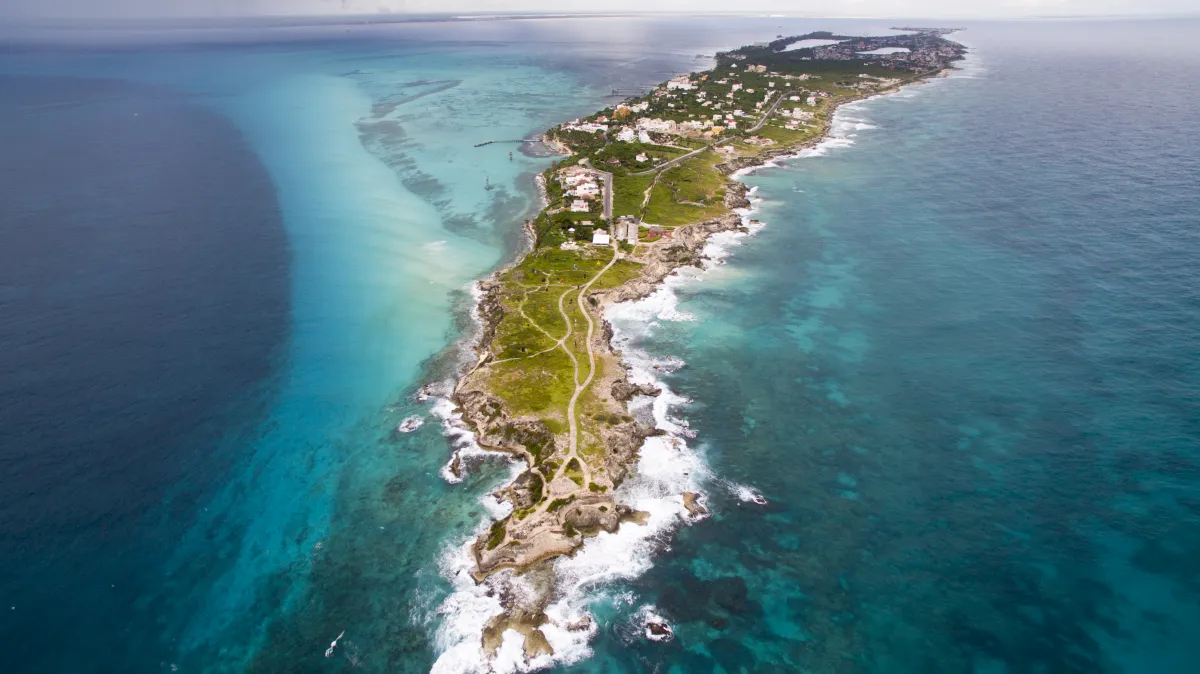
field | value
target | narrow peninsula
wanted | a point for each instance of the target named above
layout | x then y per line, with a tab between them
641	187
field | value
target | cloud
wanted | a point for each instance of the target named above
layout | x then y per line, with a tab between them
812	8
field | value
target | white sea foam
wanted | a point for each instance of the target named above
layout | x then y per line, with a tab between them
648	615
410	424
466	450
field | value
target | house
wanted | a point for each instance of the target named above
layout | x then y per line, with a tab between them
682	82
579	206
656	125
586	127
626	134
586	190
644	137
641	157
601	238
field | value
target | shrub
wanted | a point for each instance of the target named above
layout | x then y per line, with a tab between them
498	531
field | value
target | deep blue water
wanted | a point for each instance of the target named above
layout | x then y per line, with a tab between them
961	361
144	290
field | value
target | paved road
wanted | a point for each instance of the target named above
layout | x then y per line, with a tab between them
671	163
693	153
608	194
608	188
767	116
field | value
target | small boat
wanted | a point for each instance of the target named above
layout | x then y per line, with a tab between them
487	185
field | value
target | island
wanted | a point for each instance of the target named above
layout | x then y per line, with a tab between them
641	186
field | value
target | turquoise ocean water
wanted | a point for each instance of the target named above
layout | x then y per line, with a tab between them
957	362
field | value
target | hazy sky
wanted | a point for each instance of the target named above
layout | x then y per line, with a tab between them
823	8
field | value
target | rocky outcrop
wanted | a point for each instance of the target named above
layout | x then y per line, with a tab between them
691	501
623	391
595	512
490	311
493	429
735	195
662	259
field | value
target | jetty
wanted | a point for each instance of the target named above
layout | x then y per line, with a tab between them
489	142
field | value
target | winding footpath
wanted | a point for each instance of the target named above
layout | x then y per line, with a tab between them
580	387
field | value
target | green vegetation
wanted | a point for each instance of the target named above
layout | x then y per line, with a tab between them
621	157
539	385
575	471
497	533
535	487
687	193
619	274
559	503
628	193
598	488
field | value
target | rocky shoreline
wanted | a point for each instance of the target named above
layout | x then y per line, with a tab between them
526	545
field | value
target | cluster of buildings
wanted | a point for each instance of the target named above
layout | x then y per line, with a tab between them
586	127
902	52
626	229
581	185
681	83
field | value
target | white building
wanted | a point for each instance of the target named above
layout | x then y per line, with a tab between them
656	125
626	229
626	134
681	82
644	137
641	157
587	127
585	190
579	206
601	238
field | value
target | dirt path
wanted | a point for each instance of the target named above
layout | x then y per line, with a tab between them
557	342
580	387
